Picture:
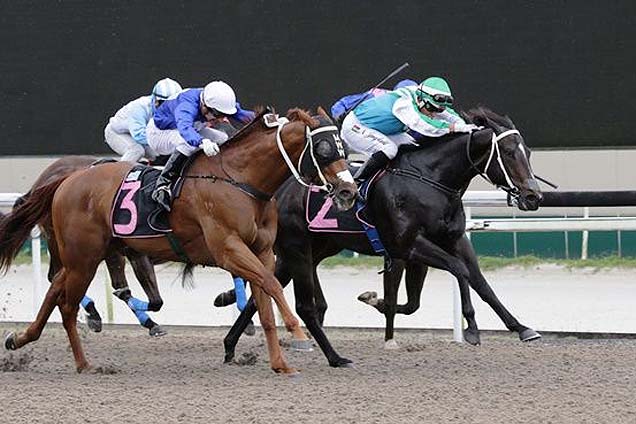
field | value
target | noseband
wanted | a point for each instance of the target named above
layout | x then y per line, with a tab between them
511	189
309	145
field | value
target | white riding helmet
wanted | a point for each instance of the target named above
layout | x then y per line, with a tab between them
219	96
166	88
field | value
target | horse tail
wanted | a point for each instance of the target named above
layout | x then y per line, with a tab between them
16	226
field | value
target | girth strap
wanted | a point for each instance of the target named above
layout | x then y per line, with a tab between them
244	187
424	179
178	248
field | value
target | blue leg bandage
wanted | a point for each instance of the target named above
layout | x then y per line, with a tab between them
239	290
139	307
85	301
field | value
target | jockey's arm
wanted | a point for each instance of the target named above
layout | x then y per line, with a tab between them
185	114
137	121
243	115
416	121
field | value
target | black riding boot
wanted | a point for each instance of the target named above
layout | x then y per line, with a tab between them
171	171
376	162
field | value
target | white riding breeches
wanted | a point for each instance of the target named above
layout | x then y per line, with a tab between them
366	140
165	142
126	146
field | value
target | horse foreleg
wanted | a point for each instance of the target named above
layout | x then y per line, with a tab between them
426	252
391	280
465	251
237	258
245	317
291	322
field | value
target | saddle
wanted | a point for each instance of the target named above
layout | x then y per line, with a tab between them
134	213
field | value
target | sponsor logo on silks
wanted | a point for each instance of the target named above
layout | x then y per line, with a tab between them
133	176
355	128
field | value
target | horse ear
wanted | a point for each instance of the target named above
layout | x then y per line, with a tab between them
322	112
294	114
480	121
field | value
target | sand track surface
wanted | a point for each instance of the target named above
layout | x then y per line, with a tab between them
180	378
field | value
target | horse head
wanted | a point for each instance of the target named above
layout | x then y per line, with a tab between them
323	159
501	156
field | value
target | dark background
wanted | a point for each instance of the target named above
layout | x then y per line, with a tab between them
563	70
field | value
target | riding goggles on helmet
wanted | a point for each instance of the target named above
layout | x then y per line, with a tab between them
440	99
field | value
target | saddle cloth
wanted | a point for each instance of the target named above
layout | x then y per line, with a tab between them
134	213
322	216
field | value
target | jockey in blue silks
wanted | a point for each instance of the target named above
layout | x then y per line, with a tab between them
185	124
198	118
126	130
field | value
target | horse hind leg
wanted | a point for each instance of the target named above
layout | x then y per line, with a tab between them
75	284
15	341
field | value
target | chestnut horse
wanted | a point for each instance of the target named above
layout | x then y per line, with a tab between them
222	218
115	263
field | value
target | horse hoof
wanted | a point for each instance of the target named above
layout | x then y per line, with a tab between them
288	372
529	334
391	345
369	297
9	342
250	330
225	299
472	337
301	345
95	325
342	363
157	331
229	358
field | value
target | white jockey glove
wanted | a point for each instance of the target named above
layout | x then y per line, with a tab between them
466	128
210	148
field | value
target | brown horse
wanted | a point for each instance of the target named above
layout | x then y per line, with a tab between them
217	220
115	262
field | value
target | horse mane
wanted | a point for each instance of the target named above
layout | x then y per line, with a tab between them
485	117
294	115
297	114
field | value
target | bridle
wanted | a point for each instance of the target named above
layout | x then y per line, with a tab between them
309	146
512	190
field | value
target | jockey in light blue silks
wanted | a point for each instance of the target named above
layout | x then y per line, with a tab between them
378	126
126	130
125	133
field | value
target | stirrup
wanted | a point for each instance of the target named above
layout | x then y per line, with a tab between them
163	196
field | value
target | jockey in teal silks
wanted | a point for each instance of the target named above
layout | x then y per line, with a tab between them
378	126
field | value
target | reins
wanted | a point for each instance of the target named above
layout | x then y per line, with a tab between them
309	145
426	180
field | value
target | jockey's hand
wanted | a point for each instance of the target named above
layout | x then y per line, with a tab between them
210	148
465	128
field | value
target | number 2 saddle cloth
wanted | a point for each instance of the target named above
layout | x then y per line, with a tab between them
134	213
322	216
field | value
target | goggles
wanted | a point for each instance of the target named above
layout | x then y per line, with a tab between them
214	113
442	99
432	108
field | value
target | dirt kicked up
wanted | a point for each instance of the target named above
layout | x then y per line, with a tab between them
180	378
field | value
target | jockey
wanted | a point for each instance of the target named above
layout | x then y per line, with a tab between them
198	118
345	104
378	126
126	130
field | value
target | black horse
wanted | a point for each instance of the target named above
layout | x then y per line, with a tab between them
419	215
